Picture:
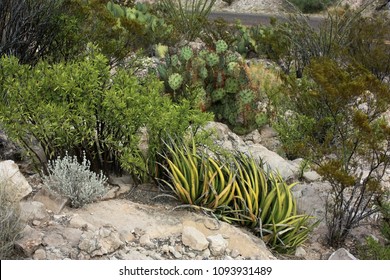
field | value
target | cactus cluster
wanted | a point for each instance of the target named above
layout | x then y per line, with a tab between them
220	73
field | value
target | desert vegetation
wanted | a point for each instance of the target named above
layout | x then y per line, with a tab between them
83	83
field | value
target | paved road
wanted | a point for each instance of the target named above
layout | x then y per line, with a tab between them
255	19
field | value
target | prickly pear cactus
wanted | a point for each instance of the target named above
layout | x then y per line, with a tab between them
212	59
231	85
186	53
233	68
220	46
218	94
231	57
175	62
175	81
203	73
246	96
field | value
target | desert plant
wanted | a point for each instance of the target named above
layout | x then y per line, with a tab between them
264	202
75	180
230	90
10	223
236	189
80	107
340	112
28	28
197	179
187	16
329	39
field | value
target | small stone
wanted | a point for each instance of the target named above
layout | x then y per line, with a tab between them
146	242
127	236
36	223
206	254
235	253
191	255
39	254
218	244
311	176
175	253
342	254
212	224
300	252
194	239
165	249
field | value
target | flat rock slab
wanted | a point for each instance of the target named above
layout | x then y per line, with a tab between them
160	222
51	200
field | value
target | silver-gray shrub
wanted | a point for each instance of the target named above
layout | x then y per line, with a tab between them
75	180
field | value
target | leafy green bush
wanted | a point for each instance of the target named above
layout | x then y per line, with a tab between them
10	223
236	190
75	180
338	124
79	107
220	78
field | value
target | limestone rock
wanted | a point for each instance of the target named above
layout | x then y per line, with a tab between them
13	181
30	241
39	254
51	200
300	252
101	242
33	211
342	254
194	239
273	161
311	176
218	244
145	241
254	137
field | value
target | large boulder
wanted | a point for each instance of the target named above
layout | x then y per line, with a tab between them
230	141
13	181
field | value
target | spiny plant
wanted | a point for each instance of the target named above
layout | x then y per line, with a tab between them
222	74
236	189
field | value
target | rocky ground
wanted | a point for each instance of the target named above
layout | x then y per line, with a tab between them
143	223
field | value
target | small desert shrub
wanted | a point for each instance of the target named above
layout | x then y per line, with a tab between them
311	6
10	223
74	180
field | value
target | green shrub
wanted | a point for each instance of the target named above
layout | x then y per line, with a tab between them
236	189
79	107
10	223
75	180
